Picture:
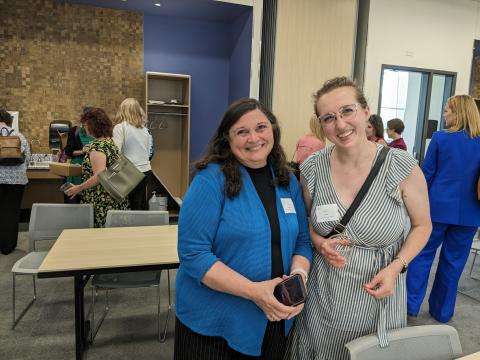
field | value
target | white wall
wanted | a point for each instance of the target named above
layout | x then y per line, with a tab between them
431	34
315	41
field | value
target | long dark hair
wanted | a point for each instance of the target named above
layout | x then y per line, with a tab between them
377	124
219	151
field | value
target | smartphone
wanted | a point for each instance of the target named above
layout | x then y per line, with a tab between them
66	186
291	291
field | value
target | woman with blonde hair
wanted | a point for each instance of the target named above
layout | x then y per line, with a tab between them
452	169
360	291
134	141
310	143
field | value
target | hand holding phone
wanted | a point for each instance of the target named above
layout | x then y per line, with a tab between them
291	291
66	186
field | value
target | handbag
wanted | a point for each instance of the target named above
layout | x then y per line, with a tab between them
295	166
120	178
340	227
10	149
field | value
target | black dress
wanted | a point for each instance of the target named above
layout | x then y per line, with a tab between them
214	347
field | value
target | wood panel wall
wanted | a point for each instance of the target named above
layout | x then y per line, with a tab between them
315	42
56	58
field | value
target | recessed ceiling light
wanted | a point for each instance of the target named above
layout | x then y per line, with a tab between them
158	4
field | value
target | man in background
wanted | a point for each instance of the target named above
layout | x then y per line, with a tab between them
395	128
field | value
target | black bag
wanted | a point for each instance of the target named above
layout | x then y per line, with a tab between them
295	166
340	227
10	149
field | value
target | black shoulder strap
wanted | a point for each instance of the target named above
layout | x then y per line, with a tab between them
340	227
6	129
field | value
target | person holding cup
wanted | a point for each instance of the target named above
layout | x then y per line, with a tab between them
366	293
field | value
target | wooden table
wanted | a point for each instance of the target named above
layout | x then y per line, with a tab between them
474	356
85	252
42	187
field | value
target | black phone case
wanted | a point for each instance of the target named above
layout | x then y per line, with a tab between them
277	292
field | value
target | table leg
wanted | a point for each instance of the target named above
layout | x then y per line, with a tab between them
80	332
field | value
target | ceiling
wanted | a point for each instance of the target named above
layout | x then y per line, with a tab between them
205	10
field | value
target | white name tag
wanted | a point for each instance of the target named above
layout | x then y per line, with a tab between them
326	213
288	206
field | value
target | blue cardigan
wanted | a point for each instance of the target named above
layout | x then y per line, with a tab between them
212	227
452	168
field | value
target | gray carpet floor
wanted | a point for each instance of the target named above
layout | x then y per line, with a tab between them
129	331
47	330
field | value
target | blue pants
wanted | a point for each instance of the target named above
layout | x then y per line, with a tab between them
456	242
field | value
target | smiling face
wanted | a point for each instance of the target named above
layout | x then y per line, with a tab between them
251	139
343	132
449	115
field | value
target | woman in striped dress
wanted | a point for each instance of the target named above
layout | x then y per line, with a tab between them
366	294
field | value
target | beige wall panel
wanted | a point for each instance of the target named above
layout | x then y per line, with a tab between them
315	42
56	58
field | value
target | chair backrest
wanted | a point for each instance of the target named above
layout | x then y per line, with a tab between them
123	218
427	342
47	221
476	245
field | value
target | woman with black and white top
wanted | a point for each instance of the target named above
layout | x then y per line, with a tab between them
134	141
13	179
366	294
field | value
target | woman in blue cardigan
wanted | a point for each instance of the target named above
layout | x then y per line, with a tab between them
451	168
242	228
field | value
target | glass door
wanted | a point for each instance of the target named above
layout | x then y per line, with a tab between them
417	97
441	90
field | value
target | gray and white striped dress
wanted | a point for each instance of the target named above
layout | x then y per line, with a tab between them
338	309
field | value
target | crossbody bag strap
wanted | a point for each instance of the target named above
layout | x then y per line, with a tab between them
340	227
6	129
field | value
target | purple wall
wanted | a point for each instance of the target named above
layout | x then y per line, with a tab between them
240	57
204	51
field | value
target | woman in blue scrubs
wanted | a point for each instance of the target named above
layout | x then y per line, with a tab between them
452	169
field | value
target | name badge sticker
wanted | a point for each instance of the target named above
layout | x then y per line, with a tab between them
288	207
326	213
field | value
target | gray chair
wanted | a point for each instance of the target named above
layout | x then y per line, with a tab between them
124	218
475	249
427	342
47	221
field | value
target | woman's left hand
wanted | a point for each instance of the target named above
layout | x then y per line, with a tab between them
296	310
72	191
383	284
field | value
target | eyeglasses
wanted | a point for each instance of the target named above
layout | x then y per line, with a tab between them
346	112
